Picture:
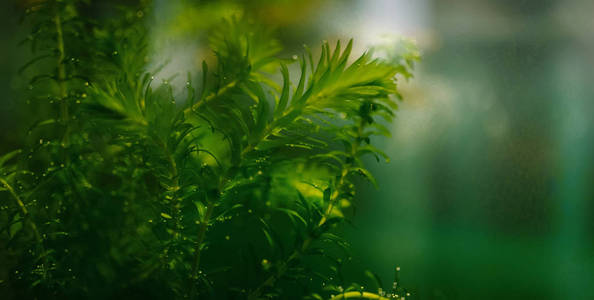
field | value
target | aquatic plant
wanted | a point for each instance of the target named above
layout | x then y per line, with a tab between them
238	190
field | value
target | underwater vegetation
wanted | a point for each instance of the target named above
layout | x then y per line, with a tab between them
238	187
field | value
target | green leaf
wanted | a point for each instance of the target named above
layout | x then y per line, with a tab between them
293	215
365	173
8	156
284	98
16	226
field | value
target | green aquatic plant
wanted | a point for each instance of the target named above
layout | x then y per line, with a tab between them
239	187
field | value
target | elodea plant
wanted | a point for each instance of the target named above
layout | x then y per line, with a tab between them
240	190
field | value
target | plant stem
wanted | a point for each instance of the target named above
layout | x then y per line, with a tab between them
23	209
201	235
212	96
198	248
359	295
26	217
61	68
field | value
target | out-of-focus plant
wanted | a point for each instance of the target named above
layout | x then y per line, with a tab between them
239	190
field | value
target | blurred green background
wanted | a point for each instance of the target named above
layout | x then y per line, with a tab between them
489	193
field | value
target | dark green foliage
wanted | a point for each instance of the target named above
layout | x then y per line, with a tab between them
238	191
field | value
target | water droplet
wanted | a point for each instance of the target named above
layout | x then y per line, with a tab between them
294	57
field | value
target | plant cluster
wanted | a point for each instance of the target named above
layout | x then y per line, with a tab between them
237	189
